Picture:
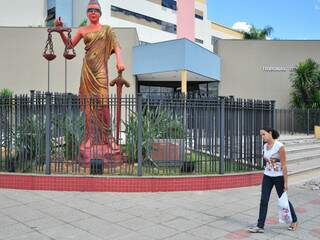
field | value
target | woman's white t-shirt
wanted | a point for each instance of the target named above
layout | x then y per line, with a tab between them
273	166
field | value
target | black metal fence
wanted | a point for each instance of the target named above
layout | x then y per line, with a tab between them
293	121
64	134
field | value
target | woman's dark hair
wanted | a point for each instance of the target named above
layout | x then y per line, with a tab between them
275	134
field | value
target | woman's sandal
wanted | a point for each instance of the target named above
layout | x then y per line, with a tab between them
293	226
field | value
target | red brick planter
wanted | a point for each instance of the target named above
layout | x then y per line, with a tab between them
127	184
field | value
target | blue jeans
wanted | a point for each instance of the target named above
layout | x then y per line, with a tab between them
267	185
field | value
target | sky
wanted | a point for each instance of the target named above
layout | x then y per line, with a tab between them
290	19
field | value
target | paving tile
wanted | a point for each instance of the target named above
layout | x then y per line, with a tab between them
22	213
158	232
30	236
43	223
68	232
136	224
101	228
5	220
183	224
183	236
208	232
65	214
201	215
13	230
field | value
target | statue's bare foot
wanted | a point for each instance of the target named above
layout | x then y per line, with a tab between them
88	144
85	144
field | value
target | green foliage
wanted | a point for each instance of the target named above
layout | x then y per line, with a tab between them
156	124
72	128
84	23
305	83
5	92
258	34
30	138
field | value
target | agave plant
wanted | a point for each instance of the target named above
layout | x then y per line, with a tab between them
29	141
156	124
71	128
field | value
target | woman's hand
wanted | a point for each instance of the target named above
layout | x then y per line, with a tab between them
285	187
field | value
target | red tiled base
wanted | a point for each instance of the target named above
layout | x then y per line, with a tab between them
127	184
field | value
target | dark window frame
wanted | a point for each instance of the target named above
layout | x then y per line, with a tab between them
197	40
165	26
198	16
169	4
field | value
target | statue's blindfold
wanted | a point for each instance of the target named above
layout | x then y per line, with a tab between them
97	10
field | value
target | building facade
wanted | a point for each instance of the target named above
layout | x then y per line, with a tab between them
155	20
260	69
17	13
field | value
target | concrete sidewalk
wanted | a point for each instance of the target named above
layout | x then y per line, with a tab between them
219	214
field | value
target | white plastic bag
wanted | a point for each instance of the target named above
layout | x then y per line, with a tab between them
284	209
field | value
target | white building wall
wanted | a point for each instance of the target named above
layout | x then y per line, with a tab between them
203	27
203	32
23	13
146	34
146	8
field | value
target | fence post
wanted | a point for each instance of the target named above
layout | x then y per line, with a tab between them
292	121
48	132
222	136
273	115
139	106
308	121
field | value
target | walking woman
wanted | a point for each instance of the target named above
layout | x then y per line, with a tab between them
275	174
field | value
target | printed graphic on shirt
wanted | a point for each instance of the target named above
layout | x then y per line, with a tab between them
273	164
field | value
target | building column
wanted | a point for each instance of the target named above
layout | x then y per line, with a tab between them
184	81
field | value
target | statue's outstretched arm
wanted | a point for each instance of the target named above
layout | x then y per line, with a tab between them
74	40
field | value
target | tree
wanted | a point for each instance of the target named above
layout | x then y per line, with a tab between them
258	34
305	83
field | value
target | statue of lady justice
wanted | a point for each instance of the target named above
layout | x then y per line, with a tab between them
100	43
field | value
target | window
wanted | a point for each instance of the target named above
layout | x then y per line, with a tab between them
155	92
199	14
199	17
143	19
213	89
169	4
51	16
199	41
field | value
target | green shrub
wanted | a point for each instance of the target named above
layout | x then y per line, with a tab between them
6	92
156	124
